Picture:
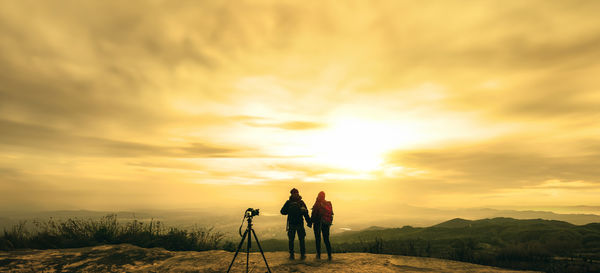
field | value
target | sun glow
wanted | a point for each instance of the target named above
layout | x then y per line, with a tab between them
356	144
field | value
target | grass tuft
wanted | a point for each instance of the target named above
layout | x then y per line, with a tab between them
76	232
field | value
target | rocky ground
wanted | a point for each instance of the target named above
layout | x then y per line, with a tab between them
128	258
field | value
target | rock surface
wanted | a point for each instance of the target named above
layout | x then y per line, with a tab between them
128	258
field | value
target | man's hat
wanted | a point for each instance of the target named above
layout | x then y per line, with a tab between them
294	190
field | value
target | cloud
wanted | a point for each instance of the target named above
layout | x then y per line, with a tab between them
290	125
47	139
498	165
256	121
491	95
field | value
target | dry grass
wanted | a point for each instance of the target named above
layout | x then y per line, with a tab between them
76	232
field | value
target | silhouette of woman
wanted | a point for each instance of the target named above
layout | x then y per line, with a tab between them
322	217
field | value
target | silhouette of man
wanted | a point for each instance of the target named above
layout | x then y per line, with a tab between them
296	209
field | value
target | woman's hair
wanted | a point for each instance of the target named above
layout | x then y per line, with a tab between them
321	196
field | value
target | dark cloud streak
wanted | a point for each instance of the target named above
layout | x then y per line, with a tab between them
500	165
290	125
46	139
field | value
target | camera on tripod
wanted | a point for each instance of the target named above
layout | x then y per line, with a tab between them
250	212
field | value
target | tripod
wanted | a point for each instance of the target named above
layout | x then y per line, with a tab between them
249	230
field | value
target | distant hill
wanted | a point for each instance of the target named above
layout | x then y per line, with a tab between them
533	244
536	223
507	229
374	228
454	223
577	219
430	216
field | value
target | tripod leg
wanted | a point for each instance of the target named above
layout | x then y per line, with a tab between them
238	249
261	251
248	248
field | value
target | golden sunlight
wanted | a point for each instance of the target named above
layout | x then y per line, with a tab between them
428	102
357	144
405	113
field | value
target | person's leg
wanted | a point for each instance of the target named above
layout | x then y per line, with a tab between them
301	236
291	237
325	230
317	230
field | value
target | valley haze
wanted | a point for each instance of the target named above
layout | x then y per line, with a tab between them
271	225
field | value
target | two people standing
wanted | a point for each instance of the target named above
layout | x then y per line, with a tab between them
320	219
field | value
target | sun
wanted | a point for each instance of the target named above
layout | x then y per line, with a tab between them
356	144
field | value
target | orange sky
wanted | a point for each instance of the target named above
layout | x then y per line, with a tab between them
169	104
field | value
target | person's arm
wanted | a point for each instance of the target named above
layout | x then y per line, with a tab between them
306	217
331	211
284	209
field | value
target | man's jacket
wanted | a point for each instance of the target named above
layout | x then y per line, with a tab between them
295	209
